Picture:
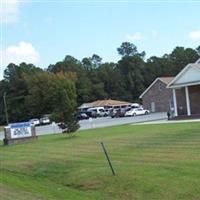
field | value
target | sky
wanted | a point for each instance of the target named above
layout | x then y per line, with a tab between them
44	32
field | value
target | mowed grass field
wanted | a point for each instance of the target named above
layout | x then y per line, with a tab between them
151	162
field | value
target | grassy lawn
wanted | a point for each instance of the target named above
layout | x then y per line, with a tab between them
151	161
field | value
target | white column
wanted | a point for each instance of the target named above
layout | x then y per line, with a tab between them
175	102
187	101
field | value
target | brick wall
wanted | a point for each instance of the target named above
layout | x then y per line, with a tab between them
181	101
194	94
158	94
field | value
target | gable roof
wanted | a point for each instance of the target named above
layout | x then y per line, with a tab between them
101	103
190	75
165	80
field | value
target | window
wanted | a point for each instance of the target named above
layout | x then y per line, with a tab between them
116	107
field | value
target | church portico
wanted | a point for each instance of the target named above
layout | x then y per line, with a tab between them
186	91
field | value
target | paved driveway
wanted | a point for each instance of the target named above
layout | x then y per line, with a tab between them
99	122
108	121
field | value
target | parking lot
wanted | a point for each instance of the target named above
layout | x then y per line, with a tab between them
99	122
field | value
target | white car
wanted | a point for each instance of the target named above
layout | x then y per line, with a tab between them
44	120
34	122
137	111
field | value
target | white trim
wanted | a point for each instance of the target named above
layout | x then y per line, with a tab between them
159	78
198	61
184	70
178	75
197	65
184	84
187	101
175	102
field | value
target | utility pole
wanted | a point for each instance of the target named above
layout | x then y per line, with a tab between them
5	106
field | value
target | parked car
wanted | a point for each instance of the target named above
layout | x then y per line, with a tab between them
100	111
103	113
118	112
82	116
92	114
44	120
107	112
35	122
113	112
136	105
136	111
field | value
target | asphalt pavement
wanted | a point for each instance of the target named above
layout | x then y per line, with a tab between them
99	122
108	121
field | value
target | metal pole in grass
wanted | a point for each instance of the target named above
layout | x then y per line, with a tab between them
108	159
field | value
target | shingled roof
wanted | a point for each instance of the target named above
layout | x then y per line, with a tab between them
108	102
165	80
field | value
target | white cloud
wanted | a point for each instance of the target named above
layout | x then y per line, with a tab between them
135	37
194	35
23	52
10	11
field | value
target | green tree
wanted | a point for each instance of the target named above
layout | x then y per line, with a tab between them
16	90
2	108
180	57
198	50
69	63
65	111
54	94
156	67
96	60
129	49
83	88
131	69
92	62
82	70
112	79
95	86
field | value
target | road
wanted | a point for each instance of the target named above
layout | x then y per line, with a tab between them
99	122
108	121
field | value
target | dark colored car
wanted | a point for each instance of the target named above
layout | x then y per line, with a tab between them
118	112
82	116
92	114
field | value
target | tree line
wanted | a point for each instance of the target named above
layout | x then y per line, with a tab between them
31	92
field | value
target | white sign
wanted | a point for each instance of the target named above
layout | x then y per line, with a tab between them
20	130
